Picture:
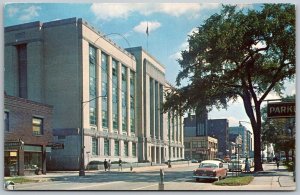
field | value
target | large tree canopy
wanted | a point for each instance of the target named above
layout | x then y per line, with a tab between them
235	54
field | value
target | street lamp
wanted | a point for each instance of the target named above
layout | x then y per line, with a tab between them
81	165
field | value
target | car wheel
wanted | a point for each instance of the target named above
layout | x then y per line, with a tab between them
197	180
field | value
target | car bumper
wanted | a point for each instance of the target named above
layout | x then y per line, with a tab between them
205	177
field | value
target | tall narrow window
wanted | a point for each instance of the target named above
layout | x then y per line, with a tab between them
106	147
37	126
93	85
6	121
95	145
134	149
132	101
124	99
104	87
117	151
115	93
22	66
125	148
151	119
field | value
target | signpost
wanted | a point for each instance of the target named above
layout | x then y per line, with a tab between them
281	109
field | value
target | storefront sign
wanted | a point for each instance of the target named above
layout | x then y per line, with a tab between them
281	109
12	145
57	146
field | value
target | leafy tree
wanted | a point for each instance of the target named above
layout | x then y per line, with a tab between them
237	53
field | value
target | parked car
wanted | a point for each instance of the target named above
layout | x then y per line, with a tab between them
210	170
219	159
194	161
236	165
94	165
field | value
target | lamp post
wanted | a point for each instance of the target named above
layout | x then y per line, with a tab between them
81	165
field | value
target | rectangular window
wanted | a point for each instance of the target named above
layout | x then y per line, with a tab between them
124	98
104	64
37	126
117	153
93	85
134	149
132	101
125	148
115	93
106	147
6	121
95	150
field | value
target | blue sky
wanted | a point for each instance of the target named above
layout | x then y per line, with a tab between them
169	26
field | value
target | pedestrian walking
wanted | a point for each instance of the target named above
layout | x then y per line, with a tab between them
105	165
277	162
120	164
247	166
109	165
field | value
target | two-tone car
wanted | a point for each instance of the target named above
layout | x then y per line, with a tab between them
210	170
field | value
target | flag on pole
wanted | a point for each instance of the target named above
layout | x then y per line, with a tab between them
147	30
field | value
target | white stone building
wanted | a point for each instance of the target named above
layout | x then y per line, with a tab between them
114	94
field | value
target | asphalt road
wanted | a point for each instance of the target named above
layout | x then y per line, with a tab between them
174	179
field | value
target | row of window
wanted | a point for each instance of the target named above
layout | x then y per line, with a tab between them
95	148
115	92
37	124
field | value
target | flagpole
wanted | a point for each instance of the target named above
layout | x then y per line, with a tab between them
147	32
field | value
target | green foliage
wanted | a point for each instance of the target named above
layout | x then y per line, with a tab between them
237	53
235	181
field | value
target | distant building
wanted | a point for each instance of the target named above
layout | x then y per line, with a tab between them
218	128
235	140
200	147
246	138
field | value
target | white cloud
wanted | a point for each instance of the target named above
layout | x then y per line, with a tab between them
152	26
108	11
29	13
12	11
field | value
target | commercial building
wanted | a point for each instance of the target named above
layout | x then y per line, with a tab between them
27	136
219	129
110	95
200	148
199	125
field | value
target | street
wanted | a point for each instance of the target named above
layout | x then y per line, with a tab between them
175	178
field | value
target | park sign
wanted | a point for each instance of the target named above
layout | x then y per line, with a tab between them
281	109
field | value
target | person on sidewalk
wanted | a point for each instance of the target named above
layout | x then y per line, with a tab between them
105	165
247	166
277	162
109	165
120	164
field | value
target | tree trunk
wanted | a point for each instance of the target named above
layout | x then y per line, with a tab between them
257	149
256	126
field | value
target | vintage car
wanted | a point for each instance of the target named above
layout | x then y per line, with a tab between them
236	165
210	170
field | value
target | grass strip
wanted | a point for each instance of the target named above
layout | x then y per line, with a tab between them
20	180
235	181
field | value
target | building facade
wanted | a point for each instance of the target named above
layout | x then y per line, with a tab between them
97	89
27	136
246	138
219	129
201	148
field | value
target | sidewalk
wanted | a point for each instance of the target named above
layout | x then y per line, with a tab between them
273	179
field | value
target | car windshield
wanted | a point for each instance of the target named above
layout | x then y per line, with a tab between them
208	165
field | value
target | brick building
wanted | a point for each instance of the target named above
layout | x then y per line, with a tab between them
27	135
